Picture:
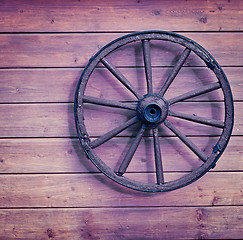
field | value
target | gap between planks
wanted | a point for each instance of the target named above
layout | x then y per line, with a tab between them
114	32
120	207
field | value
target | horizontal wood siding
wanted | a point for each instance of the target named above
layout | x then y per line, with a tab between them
61	83
74	50
48	188
122	223
64	155
135	15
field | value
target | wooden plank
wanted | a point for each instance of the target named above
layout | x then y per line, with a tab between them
103	84
38	85
123	223
48	188
112	118
57	120
65	16
66	155
74	50
37	120
232	75
96	190
58	85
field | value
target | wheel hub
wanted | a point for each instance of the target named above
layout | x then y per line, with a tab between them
152	110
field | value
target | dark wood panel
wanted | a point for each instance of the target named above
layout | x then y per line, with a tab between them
66	155
61	16
74	50
96	190
57	120
58	85
123	223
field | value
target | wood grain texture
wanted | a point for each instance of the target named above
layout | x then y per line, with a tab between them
66	155
57	120
47	85
58	85
86	16
75	50
48	188
121	223
37	120
96	190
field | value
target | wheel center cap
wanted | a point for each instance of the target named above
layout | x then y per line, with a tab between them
152	110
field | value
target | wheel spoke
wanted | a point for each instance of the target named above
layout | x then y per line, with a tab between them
175	71
109	103
147	65
197	119
158	161
104	138
194	93
120	77
187	141
131	151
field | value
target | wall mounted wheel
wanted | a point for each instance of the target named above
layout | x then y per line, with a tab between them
152	111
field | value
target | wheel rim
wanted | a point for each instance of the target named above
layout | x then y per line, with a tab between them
151	111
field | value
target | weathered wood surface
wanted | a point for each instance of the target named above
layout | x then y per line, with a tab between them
66	156
123	223
82	16
75	50
96	190
58	85
48	188
57	120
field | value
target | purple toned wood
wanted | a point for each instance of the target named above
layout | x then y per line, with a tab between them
194	93
209	61
158	160
109	103
112	133
175	71
187	141
197	119
113	16
120	77
147	65
131	152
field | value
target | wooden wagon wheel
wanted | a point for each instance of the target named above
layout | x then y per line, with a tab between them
152	111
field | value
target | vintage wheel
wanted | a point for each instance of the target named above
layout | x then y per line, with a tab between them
152	111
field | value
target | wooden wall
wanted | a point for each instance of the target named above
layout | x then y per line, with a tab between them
48	190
